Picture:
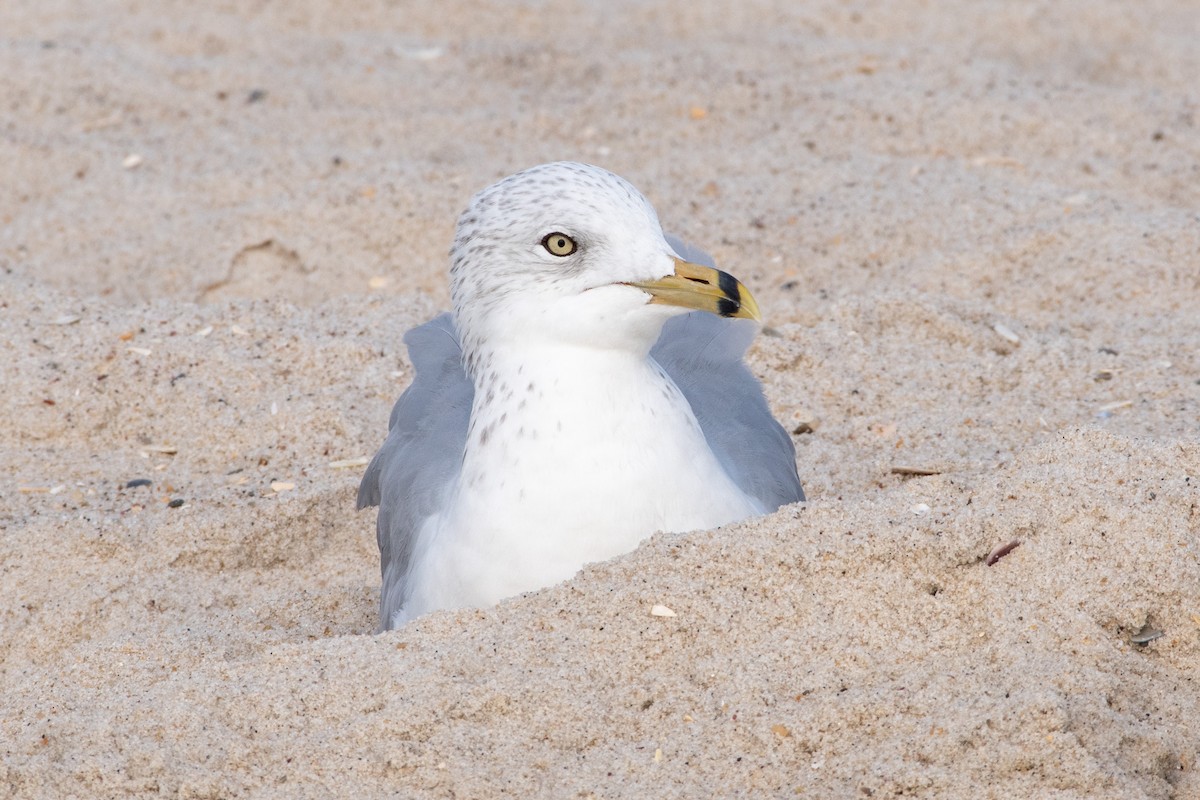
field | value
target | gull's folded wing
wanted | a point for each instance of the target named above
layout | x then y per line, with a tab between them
410	475
704	355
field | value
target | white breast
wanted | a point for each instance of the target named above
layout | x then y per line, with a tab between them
574	455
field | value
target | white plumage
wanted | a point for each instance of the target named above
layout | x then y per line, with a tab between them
540	432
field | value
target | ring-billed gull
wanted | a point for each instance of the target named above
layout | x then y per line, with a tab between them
571	406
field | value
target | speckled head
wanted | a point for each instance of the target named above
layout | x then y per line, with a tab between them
548	252
570	255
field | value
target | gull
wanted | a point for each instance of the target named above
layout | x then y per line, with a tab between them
588	390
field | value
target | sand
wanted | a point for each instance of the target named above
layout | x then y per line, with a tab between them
974	235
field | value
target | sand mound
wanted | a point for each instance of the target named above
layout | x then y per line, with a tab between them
974	237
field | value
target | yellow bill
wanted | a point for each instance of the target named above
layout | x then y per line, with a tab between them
704	289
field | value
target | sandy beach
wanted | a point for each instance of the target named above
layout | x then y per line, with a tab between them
975	238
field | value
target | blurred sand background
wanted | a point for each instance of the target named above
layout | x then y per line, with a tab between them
975	233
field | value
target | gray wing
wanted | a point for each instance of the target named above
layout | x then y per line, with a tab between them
704	355
410	475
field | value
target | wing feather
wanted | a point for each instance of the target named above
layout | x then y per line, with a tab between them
705	356
409	478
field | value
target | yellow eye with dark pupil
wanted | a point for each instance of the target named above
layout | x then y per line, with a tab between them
559	244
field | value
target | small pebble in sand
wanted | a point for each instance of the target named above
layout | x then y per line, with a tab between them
1105	411
176	503
1001	550
136	482
349	463
662	611
1146	635
805	421
282	486
916	472
1006	333
132	161
420	53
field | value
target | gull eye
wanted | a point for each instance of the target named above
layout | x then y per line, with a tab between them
559	244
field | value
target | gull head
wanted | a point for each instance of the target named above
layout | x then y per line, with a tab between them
573	254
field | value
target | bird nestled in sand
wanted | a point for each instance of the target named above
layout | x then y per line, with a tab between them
587	390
